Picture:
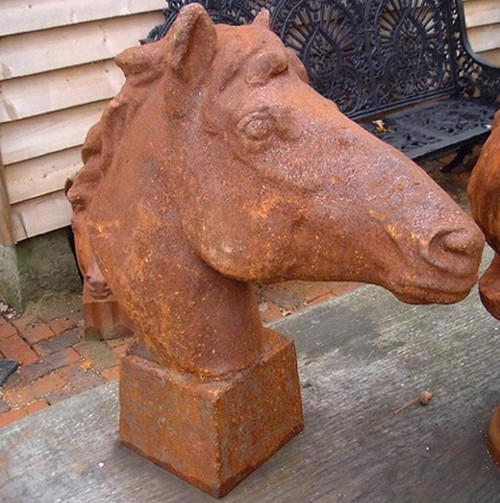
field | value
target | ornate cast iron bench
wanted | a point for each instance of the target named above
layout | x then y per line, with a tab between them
407	62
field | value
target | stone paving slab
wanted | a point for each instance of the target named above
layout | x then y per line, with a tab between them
360	357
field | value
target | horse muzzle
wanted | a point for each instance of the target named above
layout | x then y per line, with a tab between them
451	259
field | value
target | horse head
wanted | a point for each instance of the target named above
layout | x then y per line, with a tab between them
277	184
230	169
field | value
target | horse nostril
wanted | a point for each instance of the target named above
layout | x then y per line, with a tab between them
457	242
465	242
95	283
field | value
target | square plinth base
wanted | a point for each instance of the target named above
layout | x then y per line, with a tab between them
212	434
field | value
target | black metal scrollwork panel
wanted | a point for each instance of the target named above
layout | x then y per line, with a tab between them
325	36
368	55
435	125
404	138
411	52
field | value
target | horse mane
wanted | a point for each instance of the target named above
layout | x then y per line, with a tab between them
140	65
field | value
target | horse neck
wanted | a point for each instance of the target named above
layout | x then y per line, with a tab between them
213	325
190	316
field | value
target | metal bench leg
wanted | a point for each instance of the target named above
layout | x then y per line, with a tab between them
461	155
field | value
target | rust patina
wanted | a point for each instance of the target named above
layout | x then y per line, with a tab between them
218	166
484	196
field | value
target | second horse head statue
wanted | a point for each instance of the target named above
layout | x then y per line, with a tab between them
484	196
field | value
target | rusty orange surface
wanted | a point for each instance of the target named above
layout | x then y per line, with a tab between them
484	196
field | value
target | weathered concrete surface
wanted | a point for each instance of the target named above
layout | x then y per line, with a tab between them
9	276
37	267
360	357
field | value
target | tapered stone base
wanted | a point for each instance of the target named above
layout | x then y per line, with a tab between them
212	433
494	436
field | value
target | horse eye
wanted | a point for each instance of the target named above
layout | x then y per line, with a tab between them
257	128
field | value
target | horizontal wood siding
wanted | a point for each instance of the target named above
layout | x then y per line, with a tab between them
492	57
19	16
482	12
42	175
42	134
56	75
41	51
60	89
483	24
40	215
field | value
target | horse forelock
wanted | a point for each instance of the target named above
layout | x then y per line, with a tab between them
252	49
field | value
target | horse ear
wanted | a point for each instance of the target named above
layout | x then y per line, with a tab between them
263	18
192	42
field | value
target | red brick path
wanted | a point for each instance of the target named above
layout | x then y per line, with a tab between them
55	363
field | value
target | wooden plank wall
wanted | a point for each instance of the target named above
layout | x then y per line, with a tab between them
56	75
483	26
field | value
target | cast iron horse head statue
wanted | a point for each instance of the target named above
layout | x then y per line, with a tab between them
217	166
484	196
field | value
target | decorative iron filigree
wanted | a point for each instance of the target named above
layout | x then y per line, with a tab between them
369	56
404	139
411	54
323	35
433	126
374	56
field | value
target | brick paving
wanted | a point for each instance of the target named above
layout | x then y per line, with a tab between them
57	362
